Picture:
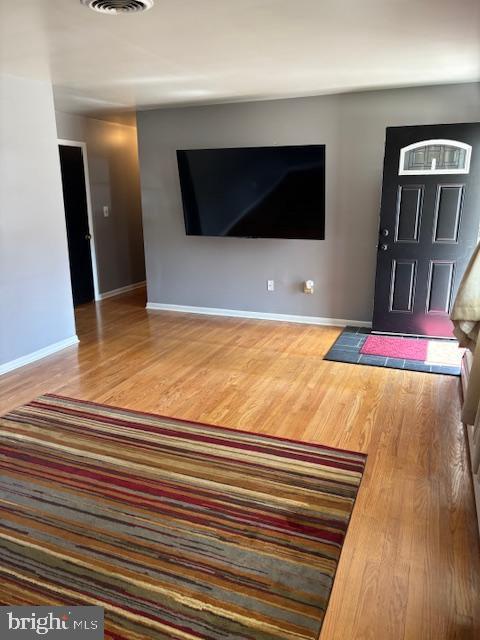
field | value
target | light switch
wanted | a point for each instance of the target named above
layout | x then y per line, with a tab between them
106	211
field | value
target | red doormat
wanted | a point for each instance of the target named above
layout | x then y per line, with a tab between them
390	347
444	352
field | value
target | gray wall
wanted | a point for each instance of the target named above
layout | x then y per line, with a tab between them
231	273
114	181
36	307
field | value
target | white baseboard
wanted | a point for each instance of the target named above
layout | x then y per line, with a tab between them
257	315
120	290
38	355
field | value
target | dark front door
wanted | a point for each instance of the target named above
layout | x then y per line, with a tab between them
429	223
78	232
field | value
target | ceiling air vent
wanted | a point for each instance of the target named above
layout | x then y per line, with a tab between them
115	7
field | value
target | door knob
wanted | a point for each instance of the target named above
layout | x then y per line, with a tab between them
383	247
88	236
385	232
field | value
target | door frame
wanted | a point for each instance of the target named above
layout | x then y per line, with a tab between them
83	146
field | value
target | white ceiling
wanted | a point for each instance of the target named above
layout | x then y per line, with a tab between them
201	51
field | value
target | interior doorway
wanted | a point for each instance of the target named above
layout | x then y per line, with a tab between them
79	223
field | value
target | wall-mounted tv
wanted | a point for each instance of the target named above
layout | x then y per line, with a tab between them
254	192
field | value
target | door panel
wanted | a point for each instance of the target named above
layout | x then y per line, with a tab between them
409	213
402	285
448	209
429	223
76	216
440	286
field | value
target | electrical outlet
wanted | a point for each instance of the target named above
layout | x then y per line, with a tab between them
270	285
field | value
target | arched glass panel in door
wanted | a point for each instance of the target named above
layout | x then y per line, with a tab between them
434	157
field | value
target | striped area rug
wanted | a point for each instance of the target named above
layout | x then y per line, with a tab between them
179	530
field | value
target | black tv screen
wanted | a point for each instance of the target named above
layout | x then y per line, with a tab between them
259	192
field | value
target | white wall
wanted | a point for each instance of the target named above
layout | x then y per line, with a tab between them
36	309
231	273
114	181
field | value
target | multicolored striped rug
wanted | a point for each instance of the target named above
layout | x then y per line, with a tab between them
179	530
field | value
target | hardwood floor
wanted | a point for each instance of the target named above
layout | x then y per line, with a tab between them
410	568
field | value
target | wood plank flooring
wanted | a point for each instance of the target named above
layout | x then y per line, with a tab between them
410	568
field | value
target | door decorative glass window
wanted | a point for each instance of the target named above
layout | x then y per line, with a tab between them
435	156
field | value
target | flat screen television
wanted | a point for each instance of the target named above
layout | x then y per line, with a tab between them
254	192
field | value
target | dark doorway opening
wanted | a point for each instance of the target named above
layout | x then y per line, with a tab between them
78	229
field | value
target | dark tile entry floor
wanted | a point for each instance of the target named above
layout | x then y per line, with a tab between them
347	349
